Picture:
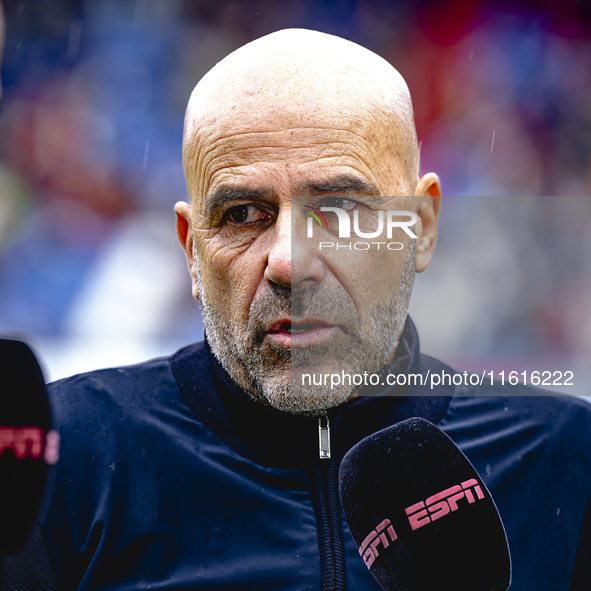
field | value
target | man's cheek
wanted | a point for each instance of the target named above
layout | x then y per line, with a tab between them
228	241
246	273
219	259
370	275
231	275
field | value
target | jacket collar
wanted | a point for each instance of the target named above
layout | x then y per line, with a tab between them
278	439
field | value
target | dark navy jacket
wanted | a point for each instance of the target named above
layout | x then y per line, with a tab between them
170	477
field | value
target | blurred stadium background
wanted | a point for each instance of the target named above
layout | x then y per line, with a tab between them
90	167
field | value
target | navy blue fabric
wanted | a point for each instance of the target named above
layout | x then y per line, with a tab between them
170	477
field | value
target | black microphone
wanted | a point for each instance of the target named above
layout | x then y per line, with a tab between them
420	513
27	443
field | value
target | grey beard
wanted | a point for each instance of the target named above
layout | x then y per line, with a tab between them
273	375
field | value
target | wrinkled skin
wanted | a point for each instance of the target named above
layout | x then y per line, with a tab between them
299	117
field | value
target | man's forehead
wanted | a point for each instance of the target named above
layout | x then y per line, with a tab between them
291	83
256	116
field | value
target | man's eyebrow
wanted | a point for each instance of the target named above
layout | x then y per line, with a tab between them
224	194
339	184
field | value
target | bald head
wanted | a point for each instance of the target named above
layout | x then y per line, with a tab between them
295	80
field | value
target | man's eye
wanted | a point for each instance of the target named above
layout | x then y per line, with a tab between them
247	214
339	202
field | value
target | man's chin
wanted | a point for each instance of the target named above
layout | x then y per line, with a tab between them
295	392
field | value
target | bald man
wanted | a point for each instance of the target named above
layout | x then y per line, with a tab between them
307	220
323	119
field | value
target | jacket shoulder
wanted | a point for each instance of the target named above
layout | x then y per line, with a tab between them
115	393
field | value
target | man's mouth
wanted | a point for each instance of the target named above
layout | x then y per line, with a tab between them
304	334
299	328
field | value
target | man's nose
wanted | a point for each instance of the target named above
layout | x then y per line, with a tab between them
292	260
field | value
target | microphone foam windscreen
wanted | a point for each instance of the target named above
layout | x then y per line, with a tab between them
420	513
24	434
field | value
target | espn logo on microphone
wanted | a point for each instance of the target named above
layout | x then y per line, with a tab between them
419	515
443	503
30	442
369	547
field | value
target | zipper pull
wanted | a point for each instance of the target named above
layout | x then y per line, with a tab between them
324	437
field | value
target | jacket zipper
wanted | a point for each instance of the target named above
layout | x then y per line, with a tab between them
324	490
324	437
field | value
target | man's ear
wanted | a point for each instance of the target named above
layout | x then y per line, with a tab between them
429	193
184	232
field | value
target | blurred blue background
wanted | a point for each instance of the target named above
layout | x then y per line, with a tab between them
90	167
